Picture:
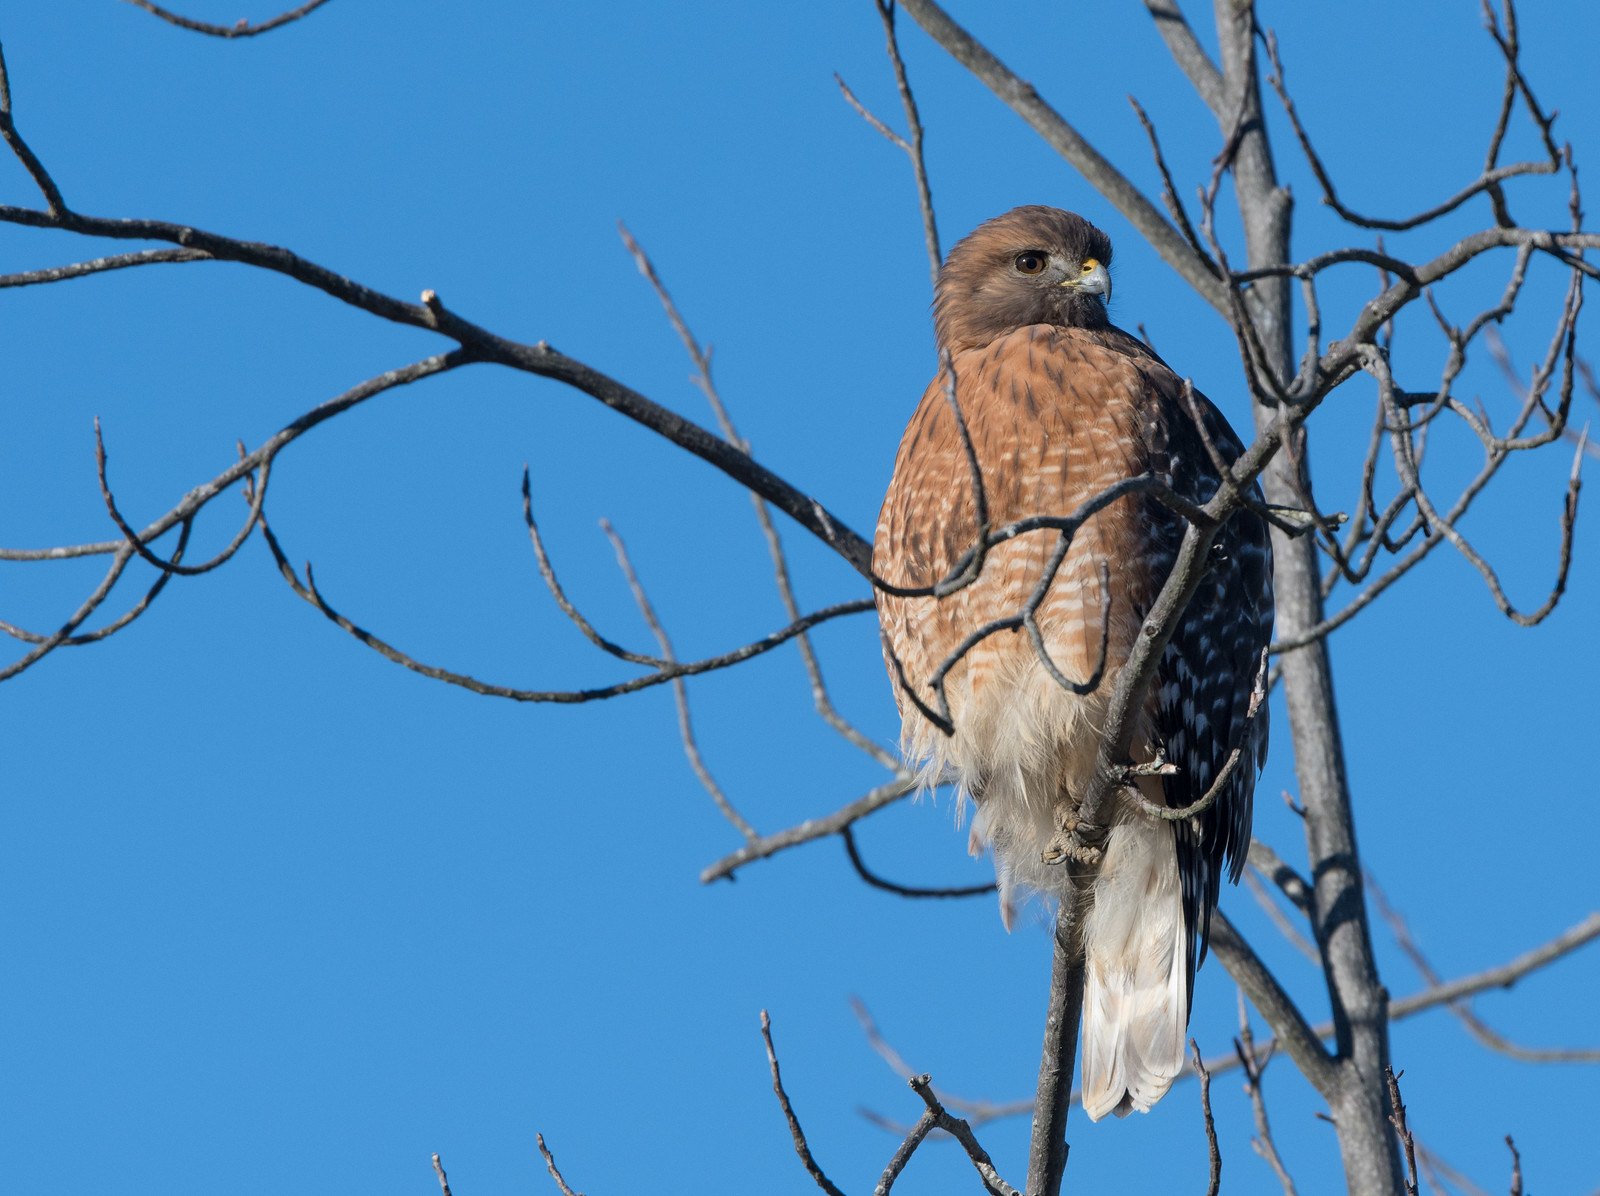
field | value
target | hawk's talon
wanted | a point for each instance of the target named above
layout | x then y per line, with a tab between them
1067	846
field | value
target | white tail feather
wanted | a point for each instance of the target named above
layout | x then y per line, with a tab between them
1135	998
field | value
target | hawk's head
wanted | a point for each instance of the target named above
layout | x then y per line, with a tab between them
1033	265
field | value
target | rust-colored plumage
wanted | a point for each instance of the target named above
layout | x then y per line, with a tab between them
1059	405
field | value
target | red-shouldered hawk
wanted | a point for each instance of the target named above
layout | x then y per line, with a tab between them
1059	405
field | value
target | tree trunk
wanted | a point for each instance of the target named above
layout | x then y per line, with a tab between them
1339	914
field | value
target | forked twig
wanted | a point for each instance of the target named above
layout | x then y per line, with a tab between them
1253	1066
700	356
912	148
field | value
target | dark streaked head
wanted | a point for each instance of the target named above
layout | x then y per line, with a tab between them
1032	265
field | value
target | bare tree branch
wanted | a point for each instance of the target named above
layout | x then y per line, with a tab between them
122	620
680	694
977	1112
1065	140
1285	927
962	1133
1488	181
800	1146
1215	1182
1189	54
701	357
1503	976
811	828
99	265
1253	1066
309	592
242	29
547	572
119	562
847	833
480	345
258	495
438	1171
1502	358
1289	1027
550	1166
1434	1169
1169	196
35	168
1461	1008
913	147
1398	1120
1271	865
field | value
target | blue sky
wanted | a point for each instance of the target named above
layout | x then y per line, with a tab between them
276	912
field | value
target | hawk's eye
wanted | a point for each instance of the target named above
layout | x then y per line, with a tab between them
1031	262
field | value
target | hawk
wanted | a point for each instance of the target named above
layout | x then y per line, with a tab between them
1060	404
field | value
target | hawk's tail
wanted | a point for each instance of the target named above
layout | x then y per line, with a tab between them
1135	992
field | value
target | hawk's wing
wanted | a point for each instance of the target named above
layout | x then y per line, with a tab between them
1203	684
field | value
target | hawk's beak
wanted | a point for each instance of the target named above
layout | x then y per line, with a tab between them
1095	282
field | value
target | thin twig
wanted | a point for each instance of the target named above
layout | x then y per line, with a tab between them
701	358
1502	359
30	162
1023	99
1253	1066
257	484
913	149
308	591
1215	1182
1169	195
962	1133
241	29
795	1132
680	692
550	1166
1397	1118
812	828
122	620
547	572
914	1138
438	1171
1285	927
1435	1169
99	265
1463	1008
1490	179
978	1112
847	833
